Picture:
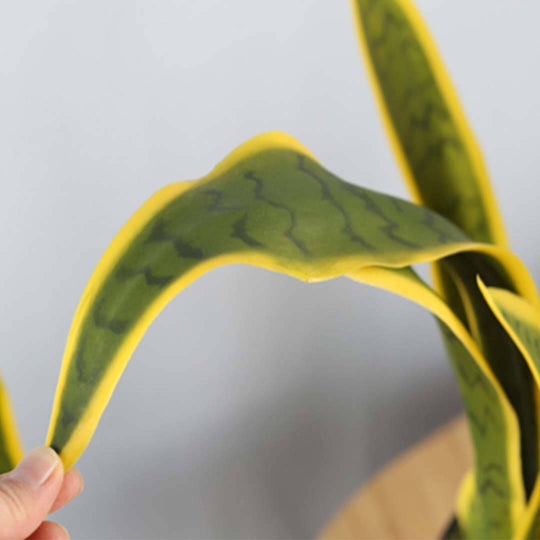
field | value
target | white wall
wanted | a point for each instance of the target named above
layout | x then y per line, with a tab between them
255	404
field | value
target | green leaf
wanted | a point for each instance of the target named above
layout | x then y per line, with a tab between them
521	320
505	359
491	502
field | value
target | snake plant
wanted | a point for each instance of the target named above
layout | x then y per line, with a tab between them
271	204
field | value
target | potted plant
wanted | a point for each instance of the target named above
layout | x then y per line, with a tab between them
271	204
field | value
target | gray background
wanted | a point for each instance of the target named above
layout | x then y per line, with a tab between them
255	405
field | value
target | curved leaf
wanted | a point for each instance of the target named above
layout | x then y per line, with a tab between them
521	320
268	204
505	359
492	499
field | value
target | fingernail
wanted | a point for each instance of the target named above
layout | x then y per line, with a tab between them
37	466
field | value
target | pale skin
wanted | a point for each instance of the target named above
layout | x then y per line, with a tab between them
34	489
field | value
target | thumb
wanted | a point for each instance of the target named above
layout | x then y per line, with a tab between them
28	492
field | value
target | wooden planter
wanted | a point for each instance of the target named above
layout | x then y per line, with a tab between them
414	496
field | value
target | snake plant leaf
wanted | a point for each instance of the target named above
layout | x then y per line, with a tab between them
492	498
434	145
445	171
11	449
521	320
268	204
505	358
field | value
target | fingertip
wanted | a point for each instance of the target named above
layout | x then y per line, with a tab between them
71	487
49	531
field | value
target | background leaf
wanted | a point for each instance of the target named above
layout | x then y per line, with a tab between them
435	147
11	449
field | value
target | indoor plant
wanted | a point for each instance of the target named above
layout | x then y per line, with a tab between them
283	211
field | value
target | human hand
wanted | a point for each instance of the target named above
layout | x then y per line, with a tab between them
36	487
